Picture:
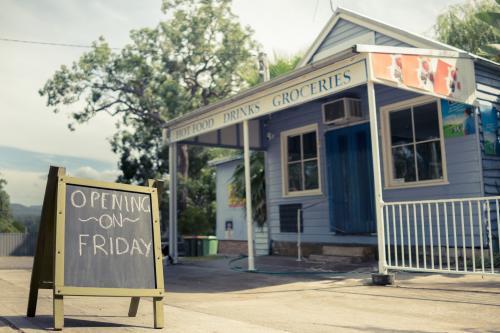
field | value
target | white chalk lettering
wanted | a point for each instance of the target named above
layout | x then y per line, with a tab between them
103	200
135	246
111	245
83	199
124	241
106	221
117	203
81	242
146	208
147	245
93	197
99	246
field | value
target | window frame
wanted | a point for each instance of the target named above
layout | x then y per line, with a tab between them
389	181
284	161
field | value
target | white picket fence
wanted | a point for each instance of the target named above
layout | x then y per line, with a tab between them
445	236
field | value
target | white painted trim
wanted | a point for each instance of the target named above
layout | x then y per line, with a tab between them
392	31
366	38
214	118
319	39
333	127
389	183
248	196
377	26
284	161
362	48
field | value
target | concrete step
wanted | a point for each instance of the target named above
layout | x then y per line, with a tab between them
363	252
335	259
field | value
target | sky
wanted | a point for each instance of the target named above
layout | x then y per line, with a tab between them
32	136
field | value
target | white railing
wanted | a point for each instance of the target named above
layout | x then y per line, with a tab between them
448	236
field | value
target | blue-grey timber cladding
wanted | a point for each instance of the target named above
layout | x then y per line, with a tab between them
487	82
224	173
345	30
462	155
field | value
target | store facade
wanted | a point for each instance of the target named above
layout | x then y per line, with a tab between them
372	115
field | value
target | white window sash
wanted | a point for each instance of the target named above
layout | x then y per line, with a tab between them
387	147
285	163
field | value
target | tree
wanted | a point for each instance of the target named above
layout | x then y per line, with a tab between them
460	26
257	184
196	56
492	17
7	222
281	65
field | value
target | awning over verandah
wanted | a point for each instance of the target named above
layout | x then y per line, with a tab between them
444	74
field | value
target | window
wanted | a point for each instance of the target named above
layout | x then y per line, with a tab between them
300	159
413	140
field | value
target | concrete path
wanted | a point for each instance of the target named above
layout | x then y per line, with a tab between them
206	296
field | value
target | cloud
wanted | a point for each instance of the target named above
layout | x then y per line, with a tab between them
25	187
28	187
89	172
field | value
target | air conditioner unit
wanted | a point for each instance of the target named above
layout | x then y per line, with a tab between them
341	111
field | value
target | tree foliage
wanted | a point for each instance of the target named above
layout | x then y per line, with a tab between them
199	54
462	26
7	222
492	17
257	185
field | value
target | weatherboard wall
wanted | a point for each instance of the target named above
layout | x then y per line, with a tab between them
462	156
343	31
224	173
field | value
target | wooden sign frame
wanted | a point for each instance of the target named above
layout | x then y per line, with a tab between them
48	265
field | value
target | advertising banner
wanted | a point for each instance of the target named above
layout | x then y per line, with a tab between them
451	78
458	119
489	122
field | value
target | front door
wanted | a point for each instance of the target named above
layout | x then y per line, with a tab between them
350	180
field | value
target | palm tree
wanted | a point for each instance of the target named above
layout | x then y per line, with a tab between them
281	65
257	183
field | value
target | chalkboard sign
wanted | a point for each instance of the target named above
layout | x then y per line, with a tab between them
107	243
108	239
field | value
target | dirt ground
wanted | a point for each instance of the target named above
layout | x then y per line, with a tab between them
205	295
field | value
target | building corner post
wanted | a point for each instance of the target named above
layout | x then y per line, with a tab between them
172	185
248	196
377	177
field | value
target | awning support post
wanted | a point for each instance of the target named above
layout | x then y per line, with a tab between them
172	185
379	217
248	196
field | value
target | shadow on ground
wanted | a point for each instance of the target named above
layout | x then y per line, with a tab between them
223	274
46	322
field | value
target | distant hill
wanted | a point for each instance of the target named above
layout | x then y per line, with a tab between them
29	216
19	210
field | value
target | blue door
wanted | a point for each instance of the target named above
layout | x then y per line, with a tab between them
350	180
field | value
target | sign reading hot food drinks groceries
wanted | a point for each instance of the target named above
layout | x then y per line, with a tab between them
331	80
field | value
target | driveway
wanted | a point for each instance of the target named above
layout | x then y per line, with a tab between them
206	295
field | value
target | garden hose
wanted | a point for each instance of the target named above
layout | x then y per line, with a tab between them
257	271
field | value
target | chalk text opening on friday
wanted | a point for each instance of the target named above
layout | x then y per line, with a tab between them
112	246
284	98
